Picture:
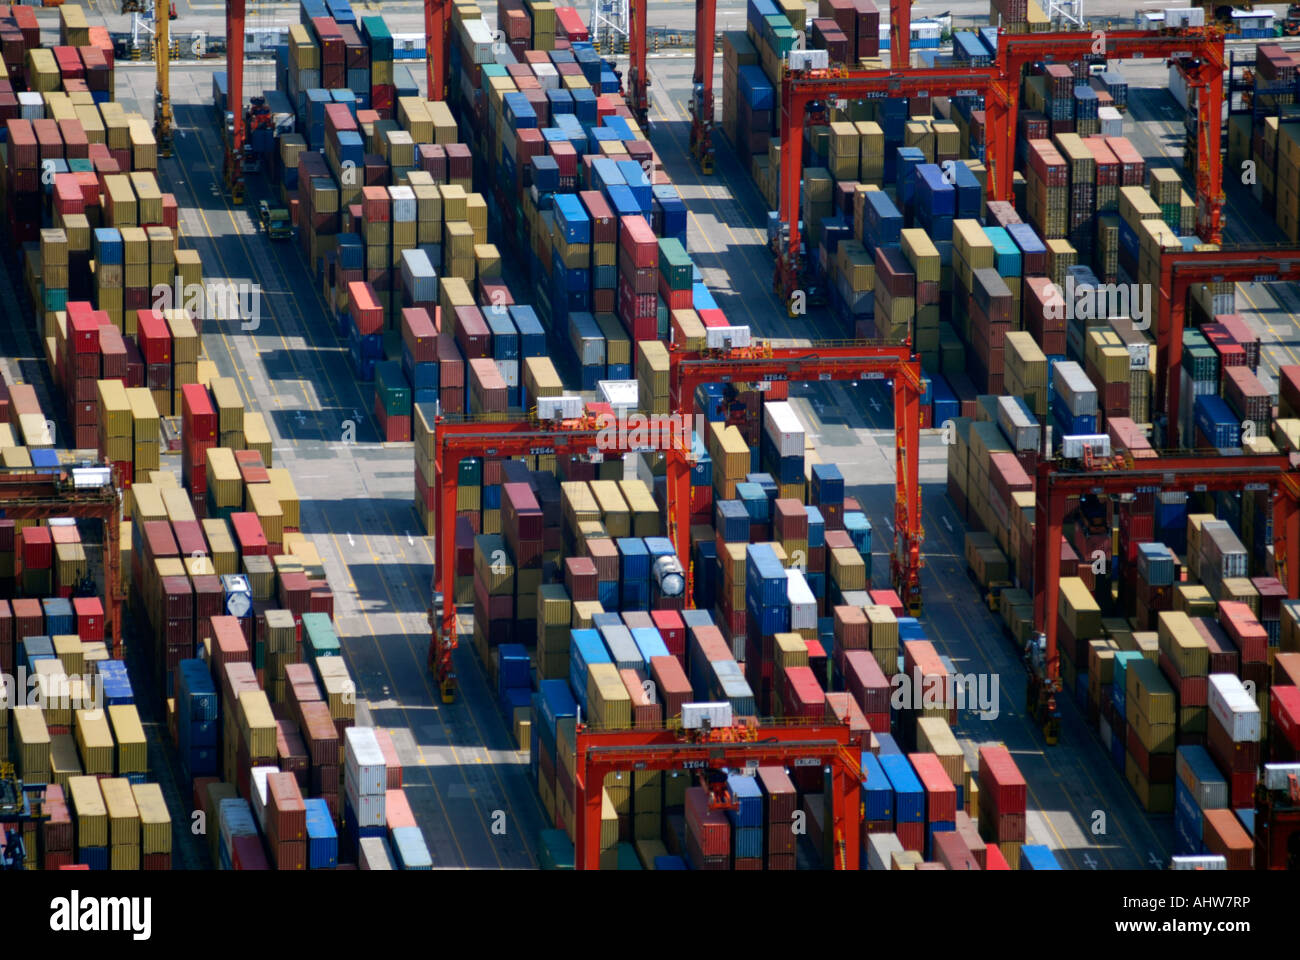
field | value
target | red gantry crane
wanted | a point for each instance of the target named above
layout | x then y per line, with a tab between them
745	745
853	360
1179	272
1179	473
235	134
801	88
459	439
456	440
86	492
437	31
1198	53
706	18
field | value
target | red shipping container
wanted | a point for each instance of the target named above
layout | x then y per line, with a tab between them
286	815
1224	835
638	241
153	336
419	335
249	537
1001	781
940	794
90	618
37	550
364	308
1246	632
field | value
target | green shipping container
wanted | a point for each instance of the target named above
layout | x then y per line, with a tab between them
675	264
319	637
470	472
392	390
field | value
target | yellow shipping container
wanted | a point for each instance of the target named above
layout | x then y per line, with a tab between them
223	477
257	723
790	650
64	762
155	821
86	803
608	701
132	748
1150	692
94	741
123	815
848	569
262	499
32	744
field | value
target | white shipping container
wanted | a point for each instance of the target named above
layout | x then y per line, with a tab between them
509	370
881	848
547	75
1276	775
257	780
1209	861
1221	550
365	760
403	204
559	408
1072	447
368	808
694	715
374	854
803	605
1073	386
1112	122
1018	426
31	105
1209	795
1234	708
783	428
419	278
479	35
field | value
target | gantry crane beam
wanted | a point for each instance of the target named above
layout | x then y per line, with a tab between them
817	361
900	33
37	495
457	440
234	139
162	61
1179	271
600	753
1201	44
1179	473
706	18
437	30
638	79
799	89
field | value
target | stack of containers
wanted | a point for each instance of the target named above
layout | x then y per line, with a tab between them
1002	800
1235	731
365	782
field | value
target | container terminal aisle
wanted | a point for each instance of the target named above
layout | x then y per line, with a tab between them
460	763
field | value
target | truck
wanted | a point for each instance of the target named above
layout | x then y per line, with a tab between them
275	220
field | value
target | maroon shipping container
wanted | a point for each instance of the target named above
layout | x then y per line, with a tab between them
419	335
604	554
247	854
801	694
319	732
637	240
866	681
647	713
894	273
951	850
709	828
580	578
286	816
1245	630
1001	781
604	226
671	685
472	333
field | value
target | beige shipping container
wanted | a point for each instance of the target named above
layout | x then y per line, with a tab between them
614	513
1079	609
641	504
261	498
1183	644
64	762
114	407
281	482
223	477
540	379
